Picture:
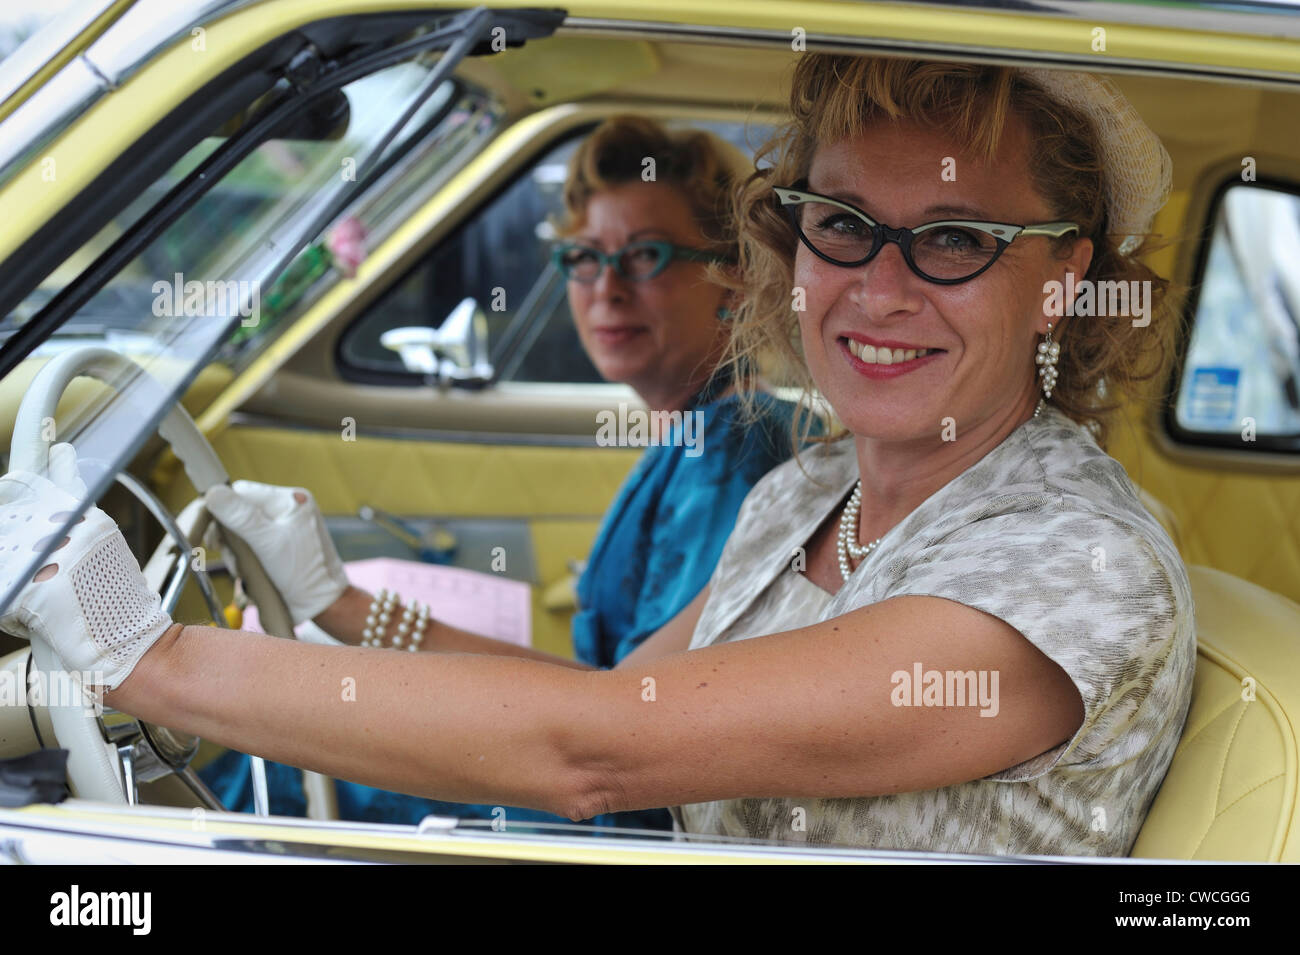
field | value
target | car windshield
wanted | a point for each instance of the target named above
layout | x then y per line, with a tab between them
207	287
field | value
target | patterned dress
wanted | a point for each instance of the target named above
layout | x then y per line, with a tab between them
1045	532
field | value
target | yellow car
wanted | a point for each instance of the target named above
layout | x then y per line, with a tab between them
145	142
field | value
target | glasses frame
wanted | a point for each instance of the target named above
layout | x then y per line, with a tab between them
668	251
1002	233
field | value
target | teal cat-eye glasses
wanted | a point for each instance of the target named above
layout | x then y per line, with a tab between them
946	252
636	261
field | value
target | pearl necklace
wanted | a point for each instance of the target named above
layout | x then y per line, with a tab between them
847	546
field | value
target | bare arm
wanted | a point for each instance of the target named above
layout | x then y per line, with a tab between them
802	713
346	618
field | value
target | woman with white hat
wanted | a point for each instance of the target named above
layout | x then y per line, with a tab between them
956	628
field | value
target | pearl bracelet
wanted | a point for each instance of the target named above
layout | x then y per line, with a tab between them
410	629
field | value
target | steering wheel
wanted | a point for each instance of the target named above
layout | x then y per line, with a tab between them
95	769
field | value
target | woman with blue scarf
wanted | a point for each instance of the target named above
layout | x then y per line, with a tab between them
637	253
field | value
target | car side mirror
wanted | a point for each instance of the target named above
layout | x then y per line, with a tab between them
456	354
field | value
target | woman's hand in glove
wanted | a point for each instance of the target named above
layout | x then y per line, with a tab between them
286	532
89	602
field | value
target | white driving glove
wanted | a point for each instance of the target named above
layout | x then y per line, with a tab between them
97	612
288	537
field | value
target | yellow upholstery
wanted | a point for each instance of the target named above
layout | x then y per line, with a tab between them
422	477
1246	523
1231	790
561	492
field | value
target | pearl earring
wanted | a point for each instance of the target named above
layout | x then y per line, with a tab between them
1049	352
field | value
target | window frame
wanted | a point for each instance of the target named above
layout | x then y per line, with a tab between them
1228	442
394	376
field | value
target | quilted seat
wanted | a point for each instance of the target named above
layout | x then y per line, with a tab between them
1231	790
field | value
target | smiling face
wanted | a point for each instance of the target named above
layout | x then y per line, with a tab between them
662	335
981	334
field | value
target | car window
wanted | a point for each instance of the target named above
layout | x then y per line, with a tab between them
171	306
501	259
1241	377
224	225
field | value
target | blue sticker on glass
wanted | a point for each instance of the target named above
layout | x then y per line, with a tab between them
1213	398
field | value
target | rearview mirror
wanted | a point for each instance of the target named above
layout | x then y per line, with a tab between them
454	354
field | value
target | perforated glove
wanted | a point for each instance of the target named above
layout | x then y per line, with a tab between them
96	612
289	537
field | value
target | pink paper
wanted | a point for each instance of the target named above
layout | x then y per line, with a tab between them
481	603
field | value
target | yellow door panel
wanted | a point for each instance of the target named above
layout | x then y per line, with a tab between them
559	494
1243	523
412	476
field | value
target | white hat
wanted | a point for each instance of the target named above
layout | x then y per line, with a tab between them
1136	166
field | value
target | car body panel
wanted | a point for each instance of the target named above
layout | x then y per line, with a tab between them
558	487
144	829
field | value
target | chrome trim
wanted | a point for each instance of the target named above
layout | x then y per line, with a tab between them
200	789
1272	20
125	754
1005	56
261	794
144	765
171	595
148	28
1243	16
172	749
46	113
164	517
139	34
36	52
136	829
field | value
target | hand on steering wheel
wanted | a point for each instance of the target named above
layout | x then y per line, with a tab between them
286	532
69	629
90	603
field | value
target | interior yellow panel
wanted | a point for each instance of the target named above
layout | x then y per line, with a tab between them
1247	524
422	477
1231	790
562	492
555	543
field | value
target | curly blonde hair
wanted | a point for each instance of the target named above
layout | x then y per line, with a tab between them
834	97
703	167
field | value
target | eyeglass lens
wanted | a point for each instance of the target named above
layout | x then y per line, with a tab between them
943	252
637	261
